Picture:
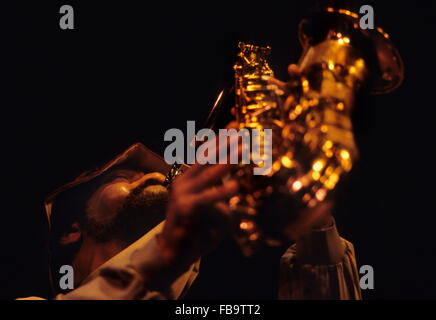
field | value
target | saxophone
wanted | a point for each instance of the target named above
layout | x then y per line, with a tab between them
258	106
313	144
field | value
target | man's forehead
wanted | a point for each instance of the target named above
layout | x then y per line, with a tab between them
122	171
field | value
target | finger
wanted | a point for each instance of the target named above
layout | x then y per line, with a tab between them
219	217
195	169
203	175
233	124
227	215
224	209
213	147
192	171
220	221
282	85
294	70
218	193
210	176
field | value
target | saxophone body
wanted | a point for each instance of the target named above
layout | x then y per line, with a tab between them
314	145
258	107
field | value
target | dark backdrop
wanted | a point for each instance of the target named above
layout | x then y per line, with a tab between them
70	100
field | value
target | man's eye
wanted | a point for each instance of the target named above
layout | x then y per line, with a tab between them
124	175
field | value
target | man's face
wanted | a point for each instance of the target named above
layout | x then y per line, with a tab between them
126	205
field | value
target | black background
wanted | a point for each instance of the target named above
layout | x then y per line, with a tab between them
72	99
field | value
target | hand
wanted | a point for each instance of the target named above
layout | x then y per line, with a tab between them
291	86
310	219
197	216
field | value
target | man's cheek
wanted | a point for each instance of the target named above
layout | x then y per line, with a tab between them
114	195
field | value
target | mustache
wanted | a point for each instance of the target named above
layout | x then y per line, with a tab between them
141	197
150	182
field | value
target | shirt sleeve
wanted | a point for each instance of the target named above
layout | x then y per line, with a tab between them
129	279
320	266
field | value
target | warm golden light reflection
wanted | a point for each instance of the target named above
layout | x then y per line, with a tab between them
327	145
297	185
233	201
343	11
246	225
298	109
286	162
345	154
316	175
306	197
305	85
276	166
254	236
330	183
331	65
321	194
318	165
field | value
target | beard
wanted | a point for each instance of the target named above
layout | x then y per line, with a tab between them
142	210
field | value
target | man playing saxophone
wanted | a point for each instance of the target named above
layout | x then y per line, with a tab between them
107	225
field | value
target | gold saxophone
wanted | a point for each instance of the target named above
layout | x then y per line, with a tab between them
313	145
258	106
